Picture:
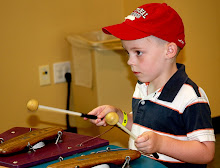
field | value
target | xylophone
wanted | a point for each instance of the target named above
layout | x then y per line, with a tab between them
142	162
72	146
23	147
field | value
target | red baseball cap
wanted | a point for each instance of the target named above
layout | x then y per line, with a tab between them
157	19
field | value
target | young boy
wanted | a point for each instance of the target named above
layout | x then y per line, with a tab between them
170	113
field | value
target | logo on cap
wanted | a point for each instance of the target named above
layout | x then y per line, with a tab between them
139	12
181	41
130	17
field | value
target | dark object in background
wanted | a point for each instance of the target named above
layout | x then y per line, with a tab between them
68	80
216	124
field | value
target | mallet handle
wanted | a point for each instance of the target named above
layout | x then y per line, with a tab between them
127	130
66	112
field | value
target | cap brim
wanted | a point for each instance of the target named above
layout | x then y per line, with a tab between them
124	32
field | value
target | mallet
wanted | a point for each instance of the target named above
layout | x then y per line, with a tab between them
33	105
112	119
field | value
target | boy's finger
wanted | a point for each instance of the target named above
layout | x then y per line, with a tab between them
142	138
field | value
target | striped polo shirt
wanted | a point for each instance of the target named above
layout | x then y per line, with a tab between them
179	110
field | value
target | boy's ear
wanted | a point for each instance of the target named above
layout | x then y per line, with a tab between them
171	50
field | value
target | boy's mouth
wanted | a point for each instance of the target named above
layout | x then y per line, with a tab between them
136	73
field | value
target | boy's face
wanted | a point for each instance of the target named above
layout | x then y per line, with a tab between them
146	58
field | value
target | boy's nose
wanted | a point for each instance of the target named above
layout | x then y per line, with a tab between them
130	61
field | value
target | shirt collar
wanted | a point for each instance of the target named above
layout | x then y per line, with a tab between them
174	84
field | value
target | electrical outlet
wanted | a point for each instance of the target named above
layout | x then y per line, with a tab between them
44	75
60	69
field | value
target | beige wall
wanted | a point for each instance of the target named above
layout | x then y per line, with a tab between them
33	33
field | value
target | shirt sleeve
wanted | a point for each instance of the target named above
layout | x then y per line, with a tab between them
197	119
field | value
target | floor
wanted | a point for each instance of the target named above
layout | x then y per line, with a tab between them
216	162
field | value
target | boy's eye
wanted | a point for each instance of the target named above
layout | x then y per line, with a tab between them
139	53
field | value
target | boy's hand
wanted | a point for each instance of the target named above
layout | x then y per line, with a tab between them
101	112
148	142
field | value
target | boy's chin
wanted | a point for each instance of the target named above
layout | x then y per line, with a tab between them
142	81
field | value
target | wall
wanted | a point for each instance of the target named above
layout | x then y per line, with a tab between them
32	34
